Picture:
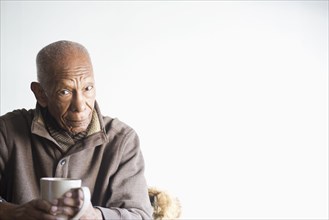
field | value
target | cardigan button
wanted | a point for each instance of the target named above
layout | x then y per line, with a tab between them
63	162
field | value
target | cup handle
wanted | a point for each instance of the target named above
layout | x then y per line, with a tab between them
86	200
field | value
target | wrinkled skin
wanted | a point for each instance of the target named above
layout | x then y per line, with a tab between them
70	97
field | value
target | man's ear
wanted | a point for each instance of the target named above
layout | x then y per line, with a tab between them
39	94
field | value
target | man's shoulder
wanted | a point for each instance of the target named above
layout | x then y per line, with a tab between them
18	114
17	121
117	126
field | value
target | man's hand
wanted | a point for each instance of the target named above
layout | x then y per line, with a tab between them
34	210
71	203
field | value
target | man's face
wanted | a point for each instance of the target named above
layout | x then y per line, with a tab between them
71	93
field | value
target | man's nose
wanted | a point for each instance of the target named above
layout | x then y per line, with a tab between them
78	103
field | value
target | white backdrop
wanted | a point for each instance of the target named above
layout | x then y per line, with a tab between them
229	98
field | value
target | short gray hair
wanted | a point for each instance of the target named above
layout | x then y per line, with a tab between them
54	53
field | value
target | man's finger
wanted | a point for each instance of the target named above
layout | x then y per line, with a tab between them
74	193
67	210
41	205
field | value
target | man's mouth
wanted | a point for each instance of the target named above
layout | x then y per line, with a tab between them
77	123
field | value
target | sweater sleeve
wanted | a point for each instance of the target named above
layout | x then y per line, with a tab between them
129	194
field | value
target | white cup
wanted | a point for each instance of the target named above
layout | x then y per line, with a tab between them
53	188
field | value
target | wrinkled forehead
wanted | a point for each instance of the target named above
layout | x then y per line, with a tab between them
70	65
63	60
67	74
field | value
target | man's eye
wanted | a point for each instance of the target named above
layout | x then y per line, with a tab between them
88	88
64	92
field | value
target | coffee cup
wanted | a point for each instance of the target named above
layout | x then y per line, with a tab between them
53	188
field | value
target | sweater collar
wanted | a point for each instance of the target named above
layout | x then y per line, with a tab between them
41	128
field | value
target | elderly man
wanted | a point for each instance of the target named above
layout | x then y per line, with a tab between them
67	136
